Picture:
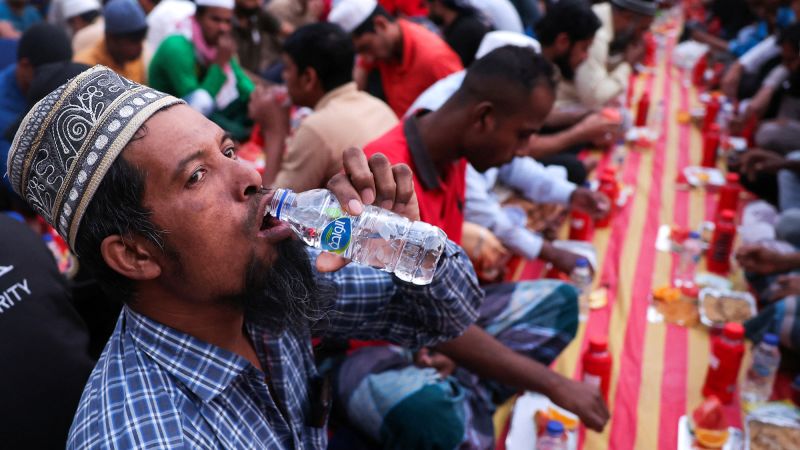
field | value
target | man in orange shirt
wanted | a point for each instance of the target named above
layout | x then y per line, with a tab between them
408	57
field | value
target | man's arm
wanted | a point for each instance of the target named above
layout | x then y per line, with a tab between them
370	304
304	163
535	182
594	84
487	357
176	53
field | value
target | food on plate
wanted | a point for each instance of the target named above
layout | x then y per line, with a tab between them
708	424
726	309
768	436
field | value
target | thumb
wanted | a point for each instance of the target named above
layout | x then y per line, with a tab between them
329	262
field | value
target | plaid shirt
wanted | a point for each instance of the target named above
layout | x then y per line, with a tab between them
156	387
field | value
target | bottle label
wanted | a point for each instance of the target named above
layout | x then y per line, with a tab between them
592	380
336	235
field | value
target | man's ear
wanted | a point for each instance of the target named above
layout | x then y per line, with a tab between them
562	43
130	258
482	116
380	23
309	79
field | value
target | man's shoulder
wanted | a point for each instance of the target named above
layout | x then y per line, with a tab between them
393	144
176	43
126	398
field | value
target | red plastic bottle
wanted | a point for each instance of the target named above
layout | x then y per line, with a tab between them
581	226
729	194
710	145
642	109
699	71
608	186
597	365
712	110
718	258
726	359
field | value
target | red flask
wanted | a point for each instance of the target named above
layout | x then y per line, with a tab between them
729	194
712	109
699	71
726	358
718	258
710	145
581	226
642	109
597	365
608	186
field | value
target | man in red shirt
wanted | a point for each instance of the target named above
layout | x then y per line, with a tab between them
424	402
408	57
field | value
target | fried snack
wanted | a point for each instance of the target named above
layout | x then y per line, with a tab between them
767	436
727	309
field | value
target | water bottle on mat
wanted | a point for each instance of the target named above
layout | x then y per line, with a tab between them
581	277
553	438
377	237
757	386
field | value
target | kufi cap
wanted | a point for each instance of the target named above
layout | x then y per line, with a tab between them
44	43
646	7
69	139
124	16
496	39
350	14
74	8
227	4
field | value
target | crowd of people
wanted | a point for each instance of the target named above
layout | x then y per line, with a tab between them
144	139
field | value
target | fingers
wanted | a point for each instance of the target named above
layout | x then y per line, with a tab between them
404	193
383	178
330	262
354	187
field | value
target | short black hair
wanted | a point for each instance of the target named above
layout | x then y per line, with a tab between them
368	25
326	48
790	35
574	17
507	75
44	43
115	208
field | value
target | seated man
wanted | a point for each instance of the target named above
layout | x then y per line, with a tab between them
20	14
461	25
408	57
318	70
258	37
41	44
212	348
603	77
121	48
523	326
201	68
80	14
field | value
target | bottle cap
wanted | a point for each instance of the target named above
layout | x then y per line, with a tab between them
606	177
691	290
733	331
694	235
582	262
47	237
732	177
598	344
728	215
555	428
771	339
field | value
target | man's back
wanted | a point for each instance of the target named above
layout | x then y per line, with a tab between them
344	118
426	59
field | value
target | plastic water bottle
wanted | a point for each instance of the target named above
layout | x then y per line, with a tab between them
654	122
689	257
377	237
757	386
553	438
581	277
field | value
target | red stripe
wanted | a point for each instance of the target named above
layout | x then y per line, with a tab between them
676	362
626	403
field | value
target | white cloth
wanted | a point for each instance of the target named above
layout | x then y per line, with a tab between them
349	14
760	54
72	8
776	76
531	179
501	13
168	17
496	39
227	4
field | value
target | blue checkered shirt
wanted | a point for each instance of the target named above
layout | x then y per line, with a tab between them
156	387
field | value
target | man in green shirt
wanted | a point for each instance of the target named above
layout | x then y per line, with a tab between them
201	68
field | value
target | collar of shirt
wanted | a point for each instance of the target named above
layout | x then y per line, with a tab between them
340	91
408	32
426	169
203	368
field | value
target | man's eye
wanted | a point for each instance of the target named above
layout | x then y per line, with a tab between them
196	176
229	153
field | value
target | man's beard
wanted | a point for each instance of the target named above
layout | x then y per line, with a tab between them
564	66
285	295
